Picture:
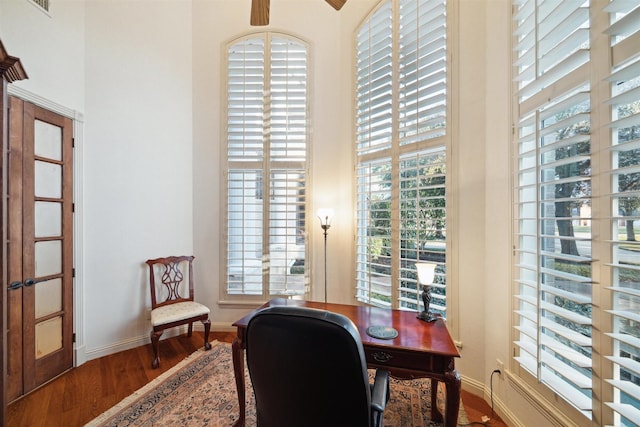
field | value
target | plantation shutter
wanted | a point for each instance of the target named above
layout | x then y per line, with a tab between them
422	70
245	155
625	124
267	127
401	109
288	155
553	224
423	226
373	249
288	101
374	87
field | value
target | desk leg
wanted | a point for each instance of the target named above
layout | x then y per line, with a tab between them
453	385
238	370
452	403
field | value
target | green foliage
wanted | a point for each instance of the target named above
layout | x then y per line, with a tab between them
297	269
579	269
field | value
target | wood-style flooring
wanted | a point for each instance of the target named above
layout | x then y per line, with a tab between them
83	393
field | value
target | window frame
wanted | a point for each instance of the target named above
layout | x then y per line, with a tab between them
398	150
278	165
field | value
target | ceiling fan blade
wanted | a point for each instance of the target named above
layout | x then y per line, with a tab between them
337	4
259	12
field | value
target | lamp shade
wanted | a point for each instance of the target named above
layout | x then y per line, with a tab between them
426	272
325	216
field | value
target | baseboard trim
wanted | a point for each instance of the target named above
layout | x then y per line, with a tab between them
79	355
472	386
83	355
480	389
500	408
542	405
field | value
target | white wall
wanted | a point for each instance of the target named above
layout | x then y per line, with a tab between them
468	151
146	75
50	47
126	67
138	158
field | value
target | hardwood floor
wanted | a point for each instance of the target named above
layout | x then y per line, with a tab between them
83	393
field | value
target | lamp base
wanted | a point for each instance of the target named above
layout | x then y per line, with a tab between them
426	316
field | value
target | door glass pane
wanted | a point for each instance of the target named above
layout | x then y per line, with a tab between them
48	258
48	179
48	140
48	219
48	336
48	297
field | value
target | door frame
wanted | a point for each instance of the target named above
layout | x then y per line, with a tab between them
79	347
11	70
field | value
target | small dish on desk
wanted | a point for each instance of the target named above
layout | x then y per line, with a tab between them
382	332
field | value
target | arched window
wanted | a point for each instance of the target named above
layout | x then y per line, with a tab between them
401	123
266	166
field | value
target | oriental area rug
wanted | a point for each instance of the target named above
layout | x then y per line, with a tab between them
201	391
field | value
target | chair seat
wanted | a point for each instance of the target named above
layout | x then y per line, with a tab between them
174	312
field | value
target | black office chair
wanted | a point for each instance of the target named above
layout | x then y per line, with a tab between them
308	368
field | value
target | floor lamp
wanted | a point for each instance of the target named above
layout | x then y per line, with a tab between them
325	216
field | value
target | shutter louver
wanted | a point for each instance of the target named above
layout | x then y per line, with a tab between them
244	228
553	241
267	128
422	69
374	82
401	112
373	263
288	101
556	45
625	125
287	245
245	101
423	226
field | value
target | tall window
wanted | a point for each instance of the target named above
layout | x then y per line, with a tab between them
266	166
401	152
566	296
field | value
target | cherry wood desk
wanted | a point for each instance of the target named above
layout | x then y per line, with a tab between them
421	350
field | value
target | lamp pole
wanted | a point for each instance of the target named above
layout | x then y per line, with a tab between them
325	216
325	227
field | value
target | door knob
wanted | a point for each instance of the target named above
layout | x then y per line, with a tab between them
30	282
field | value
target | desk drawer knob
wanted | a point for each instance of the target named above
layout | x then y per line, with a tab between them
382	357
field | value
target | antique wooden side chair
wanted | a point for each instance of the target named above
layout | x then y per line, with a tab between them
172	304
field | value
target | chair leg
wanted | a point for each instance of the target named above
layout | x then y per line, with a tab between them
190	329
155	345
207	328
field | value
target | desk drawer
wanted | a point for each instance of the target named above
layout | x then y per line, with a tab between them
410	360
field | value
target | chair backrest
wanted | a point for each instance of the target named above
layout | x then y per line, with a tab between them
171	280
307	368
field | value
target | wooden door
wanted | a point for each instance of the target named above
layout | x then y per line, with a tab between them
40	247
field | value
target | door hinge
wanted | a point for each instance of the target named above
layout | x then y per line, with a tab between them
73	337
73	272
73	143
73	208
